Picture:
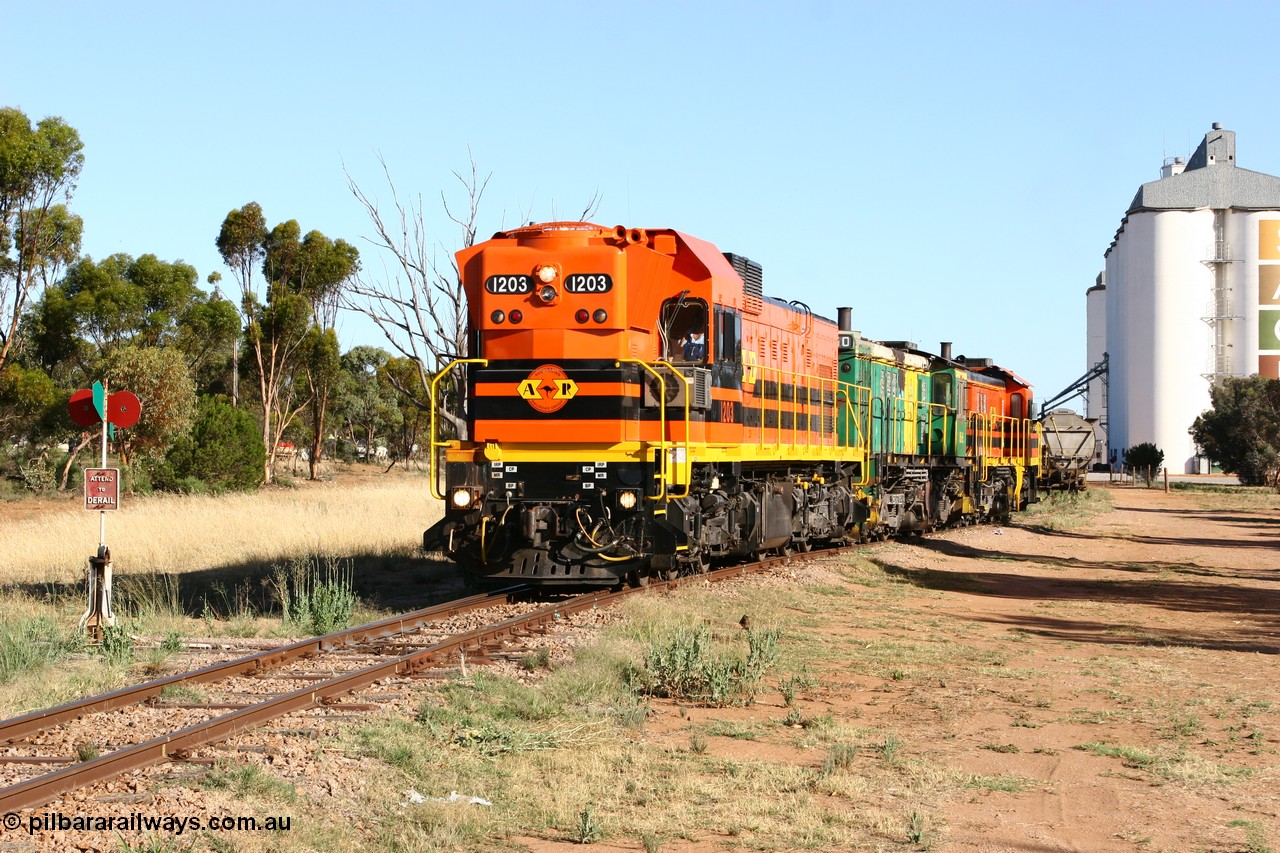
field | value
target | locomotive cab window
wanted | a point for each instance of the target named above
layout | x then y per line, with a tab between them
683	328
942	389
728	348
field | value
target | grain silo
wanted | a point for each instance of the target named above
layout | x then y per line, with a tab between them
1096	351
1192	295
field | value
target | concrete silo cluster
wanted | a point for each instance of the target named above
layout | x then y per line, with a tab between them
1190	295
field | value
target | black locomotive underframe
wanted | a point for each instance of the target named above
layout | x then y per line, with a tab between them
568	523
563	523
916	494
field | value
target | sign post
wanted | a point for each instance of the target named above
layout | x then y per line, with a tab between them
102	493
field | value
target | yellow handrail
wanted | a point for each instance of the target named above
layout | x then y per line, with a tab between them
432	464
663	444
863	430
801	407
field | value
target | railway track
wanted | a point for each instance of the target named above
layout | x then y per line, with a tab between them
398	646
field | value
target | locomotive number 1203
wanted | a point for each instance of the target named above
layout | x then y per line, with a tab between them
508	284
588	283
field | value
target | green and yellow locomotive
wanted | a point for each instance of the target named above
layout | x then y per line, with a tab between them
950	441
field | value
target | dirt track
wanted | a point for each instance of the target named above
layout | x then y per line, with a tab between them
1149	637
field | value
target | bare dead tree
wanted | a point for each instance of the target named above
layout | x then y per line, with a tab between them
420	305
593	205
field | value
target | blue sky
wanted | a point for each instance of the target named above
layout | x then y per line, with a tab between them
952	171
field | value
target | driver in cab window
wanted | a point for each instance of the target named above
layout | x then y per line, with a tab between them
694	345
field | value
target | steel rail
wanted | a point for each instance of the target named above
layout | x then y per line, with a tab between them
41	789
17	728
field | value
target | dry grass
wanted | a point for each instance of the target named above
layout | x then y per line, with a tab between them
1231	497
847	786
184	533
194	566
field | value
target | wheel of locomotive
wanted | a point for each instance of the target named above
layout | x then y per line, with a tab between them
698	565
803	546
638	577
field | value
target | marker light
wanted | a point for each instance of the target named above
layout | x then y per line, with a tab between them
498	316
547	294
516	316
546	273
581	315
627	500
600	316
461	498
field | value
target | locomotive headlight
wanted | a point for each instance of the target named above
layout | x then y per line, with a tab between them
627	500
546	273
498	316
547	294
460	498
600	316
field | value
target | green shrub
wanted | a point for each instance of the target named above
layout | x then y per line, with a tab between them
117	644
318	602
1144	457
223	452
38	476
688	667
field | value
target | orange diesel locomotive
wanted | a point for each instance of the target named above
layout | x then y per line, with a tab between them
638	408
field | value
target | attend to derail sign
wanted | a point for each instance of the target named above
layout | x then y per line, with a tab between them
102	488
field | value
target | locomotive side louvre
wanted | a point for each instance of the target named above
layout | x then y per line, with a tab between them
603	443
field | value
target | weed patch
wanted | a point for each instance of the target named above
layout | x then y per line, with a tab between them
688	667
318	598
31	644
245	780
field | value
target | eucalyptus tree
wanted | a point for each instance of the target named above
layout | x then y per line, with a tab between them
323	371
242	244
316	268
300	276
99	307
413	426
39	167
367	404
158	376
26	395
146	306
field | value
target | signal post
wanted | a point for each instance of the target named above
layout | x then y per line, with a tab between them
89	407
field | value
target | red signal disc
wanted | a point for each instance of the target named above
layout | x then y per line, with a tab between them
123	409
83	412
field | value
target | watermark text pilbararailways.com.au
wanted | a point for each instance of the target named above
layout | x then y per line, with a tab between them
33	824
